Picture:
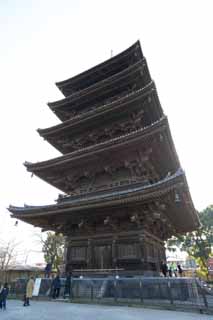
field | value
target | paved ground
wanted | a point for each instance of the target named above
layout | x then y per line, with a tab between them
67	311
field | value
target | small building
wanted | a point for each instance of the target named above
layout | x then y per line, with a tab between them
21	272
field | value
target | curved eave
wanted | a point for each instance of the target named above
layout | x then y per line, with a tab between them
126	53
75	156
97	86
73	203
132	194
99	112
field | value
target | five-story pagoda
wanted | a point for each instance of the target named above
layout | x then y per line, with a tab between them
124	190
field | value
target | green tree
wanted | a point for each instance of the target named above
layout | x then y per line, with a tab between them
53	249
198	244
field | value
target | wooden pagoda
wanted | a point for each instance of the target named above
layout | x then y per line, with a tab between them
124	192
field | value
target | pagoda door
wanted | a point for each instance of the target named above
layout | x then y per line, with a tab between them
103	257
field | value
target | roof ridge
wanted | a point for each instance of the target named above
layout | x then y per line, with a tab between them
63	83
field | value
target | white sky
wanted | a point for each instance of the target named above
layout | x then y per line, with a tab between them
44	41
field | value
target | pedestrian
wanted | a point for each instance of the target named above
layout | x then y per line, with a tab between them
174	269
56	287
170	269
67	286
29	292
50	291
3	296
164	268
180	270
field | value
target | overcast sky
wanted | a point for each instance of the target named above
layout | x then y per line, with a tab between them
44	41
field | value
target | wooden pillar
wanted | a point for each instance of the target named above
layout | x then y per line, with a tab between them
89	253
66	253
158	260
114	252
143	252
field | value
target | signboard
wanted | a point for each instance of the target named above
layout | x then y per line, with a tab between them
36	287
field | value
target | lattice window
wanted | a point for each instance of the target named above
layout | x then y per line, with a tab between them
78	253
127	251
150	250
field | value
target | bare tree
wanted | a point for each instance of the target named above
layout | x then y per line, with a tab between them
8	256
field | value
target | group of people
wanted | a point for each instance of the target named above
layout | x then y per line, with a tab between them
172	269
56	286
56	283
4	290
54	293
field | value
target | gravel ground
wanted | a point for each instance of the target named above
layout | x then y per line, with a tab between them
40	310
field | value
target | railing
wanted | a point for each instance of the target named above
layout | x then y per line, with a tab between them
172	293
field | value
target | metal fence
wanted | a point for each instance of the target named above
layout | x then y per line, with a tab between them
183	293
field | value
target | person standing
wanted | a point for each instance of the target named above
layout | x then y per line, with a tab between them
164	268
29	292
56	287
174	269
3	296
180	270
67	286
170	269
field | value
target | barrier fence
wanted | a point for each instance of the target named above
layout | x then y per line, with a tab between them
151	291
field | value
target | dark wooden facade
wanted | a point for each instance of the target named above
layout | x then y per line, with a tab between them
124	190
